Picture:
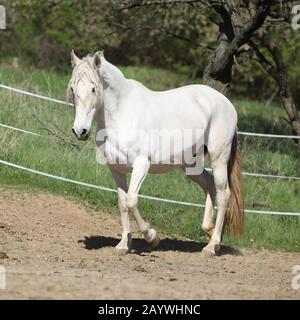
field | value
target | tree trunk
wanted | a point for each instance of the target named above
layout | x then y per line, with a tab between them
233	34
218	72
280	75
291	110
218	75
285	91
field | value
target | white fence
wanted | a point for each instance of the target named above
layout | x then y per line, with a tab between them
48	175
249	174
262	135
33	171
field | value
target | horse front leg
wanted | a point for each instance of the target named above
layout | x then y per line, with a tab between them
124	245
140	169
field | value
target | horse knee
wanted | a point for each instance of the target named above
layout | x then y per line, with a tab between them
223	195
122	201
122	205
227	194
131	201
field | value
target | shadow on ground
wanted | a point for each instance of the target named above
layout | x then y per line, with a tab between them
139	245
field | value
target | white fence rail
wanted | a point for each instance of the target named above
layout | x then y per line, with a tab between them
89	185
265	135
247	174
253	134
103	188
35	95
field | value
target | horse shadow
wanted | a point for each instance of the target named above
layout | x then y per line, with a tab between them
139	246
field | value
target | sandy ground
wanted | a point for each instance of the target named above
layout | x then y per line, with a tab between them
54	248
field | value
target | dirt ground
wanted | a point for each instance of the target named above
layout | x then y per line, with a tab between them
54	248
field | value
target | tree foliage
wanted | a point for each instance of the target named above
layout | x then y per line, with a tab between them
180	35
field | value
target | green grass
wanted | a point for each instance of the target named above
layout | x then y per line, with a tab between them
60	158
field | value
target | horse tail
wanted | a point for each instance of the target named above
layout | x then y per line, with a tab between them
235	211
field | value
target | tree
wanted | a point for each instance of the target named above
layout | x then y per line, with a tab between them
268	54
238	22
204	37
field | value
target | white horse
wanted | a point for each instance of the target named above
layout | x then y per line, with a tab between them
100	91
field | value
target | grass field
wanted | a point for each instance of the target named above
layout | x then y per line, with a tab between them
59	157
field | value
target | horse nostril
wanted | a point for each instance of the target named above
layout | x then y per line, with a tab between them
84	131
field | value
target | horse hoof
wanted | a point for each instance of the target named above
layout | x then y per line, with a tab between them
123	247
152	238
208	253
153	244
210	250
121	250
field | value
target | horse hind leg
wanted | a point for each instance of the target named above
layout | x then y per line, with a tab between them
220	173
206	182
207	225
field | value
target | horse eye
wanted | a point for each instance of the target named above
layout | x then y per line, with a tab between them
94	90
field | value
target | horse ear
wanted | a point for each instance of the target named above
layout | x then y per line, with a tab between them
97	60
74	59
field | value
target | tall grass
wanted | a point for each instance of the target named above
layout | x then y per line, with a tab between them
58	156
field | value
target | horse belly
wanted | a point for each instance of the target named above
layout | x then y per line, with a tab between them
162	168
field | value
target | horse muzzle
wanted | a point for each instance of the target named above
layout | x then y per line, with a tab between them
83	135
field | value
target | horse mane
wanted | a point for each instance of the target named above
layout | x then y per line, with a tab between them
83	68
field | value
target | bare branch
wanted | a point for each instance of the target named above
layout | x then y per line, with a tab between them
163	30
255	23
139	4
53	133
265	63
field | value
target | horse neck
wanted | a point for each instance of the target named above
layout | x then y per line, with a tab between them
115	87
113	80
